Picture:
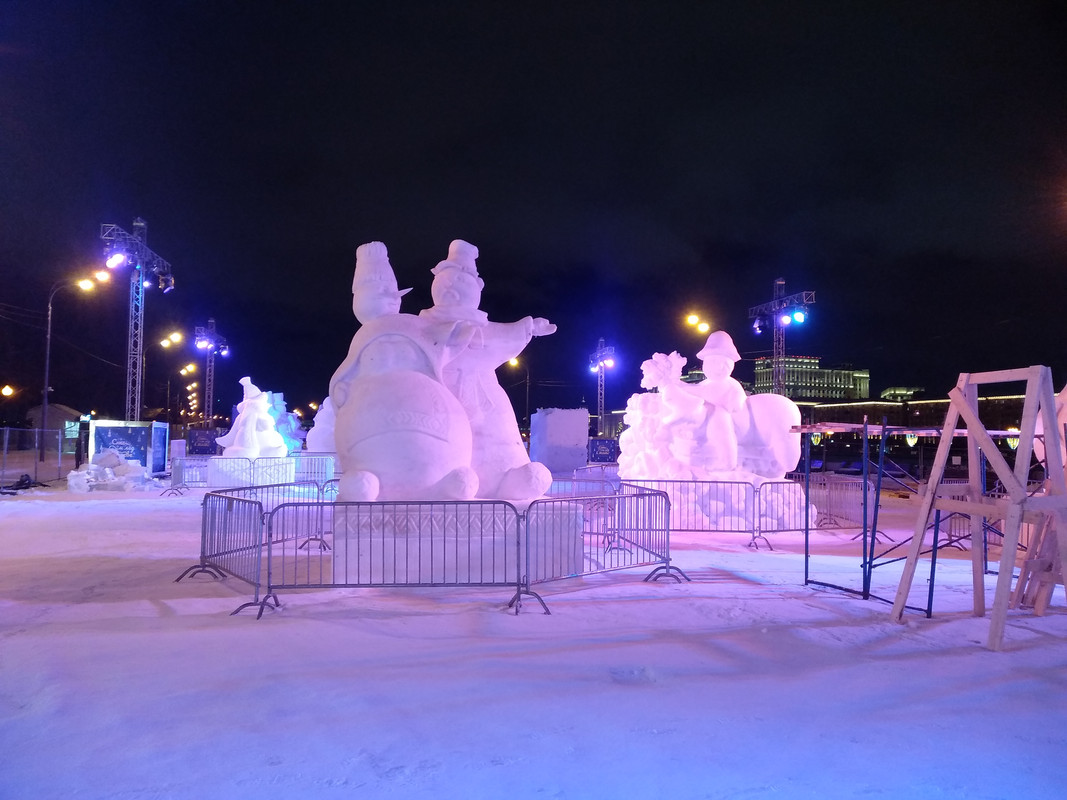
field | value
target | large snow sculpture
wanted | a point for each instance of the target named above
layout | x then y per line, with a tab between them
253	434
400	434
499	456
710	431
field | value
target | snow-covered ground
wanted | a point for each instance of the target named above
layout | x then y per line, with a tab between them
117	682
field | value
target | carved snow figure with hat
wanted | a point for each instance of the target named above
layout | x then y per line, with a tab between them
254	433
400	433
499	456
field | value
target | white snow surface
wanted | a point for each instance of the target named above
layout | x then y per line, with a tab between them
117	682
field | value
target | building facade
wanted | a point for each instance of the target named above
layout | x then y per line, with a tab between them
805	379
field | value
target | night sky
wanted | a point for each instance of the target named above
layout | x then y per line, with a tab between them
617	164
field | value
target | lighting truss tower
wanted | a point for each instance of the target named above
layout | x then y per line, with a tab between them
774	312
143	263
599	361
209	340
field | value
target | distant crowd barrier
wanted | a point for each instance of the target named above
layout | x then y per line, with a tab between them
46	455
757	510
220	472
293	536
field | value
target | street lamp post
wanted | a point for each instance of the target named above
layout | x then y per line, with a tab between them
599	361
514	362
171	339
85	285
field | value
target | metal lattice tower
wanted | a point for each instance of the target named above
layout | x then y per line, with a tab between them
773	312
142	262
599	362
209	339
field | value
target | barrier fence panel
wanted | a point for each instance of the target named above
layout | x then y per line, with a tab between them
780	506
231	539
43	455
839	500
472	543
318	467
188	471
582	535
713	506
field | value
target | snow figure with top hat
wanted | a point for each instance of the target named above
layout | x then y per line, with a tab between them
399	432
499	456
254	433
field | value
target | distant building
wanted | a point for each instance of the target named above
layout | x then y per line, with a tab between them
805	379
901	392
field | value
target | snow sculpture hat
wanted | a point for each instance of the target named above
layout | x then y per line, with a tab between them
720	344
461	256
373	269
251	391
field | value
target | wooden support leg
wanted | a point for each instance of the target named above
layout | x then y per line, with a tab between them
1002	597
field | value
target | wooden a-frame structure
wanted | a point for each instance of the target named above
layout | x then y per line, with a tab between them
1047	510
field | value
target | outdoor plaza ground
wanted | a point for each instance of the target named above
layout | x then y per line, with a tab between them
118	682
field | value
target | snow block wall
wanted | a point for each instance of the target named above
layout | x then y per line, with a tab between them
559	438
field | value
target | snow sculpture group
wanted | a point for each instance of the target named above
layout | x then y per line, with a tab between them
694	433
416	409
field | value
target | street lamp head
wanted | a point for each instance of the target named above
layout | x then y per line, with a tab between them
7	391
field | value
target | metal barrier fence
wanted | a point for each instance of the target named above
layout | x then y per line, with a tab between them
232	531
839	500
310	542
734	506
43	455
221	472
589	530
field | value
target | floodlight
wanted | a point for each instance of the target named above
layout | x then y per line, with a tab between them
785	319
115	260
799	315
757	326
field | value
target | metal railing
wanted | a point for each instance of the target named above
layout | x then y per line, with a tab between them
219	472
734	506
291	536
43	455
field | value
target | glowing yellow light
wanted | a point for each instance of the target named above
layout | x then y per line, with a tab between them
86	285
1013	441
102	276
513	362
911	439
7	391
314	406
703	327
692	319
